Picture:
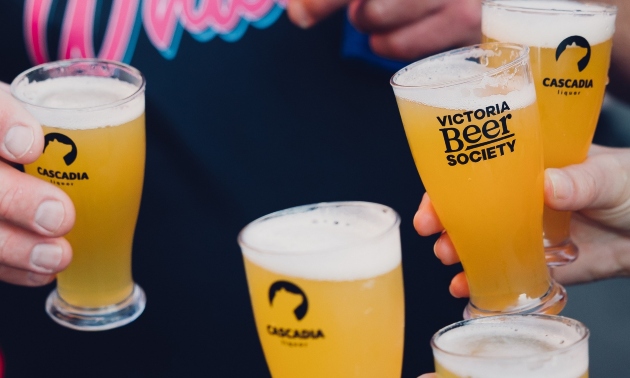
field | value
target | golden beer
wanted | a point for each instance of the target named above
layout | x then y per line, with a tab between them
570	44
326	345
476	143
482	199
515	346
106	200
326	288
93	120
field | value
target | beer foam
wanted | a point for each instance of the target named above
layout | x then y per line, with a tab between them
420	83
531	347
525	22
81	102
326	242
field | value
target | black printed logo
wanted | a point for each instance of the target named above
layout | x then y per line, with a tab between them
58	144
302	308
71	156
571	86
289	335
579	41
478	135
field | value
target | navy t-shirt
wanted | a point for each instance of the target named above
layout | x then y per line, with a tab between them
246	114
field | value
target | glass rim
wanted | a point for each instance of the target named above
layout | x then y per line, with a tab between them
70	62
555	318
305	208
505	4
524	56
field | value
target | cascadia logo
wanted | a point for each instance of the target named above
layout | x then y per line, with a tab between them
296	337
71	156
59	144
302	308
575	40
571	86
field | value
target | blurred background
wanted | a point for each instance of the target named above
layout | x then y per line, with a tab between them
198	321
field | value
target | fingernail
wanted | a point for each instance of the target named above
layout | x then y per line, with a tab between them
46	257
38	279
49	215
300	16
561	183
435	246
18	140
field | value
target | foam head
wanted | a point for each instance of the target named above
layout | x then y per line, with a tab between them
329	241
462	79
78	101
546	23
514	346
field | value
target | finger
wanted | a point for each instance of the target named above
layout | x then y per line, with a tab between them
27	251
599	187
33	204
23	277
306	13
381	15
603	253
21	136
459	286
452	28
426	221
445	250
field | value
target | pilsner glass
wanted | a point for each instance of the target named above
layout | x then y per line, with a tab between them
515	346
570	43
472	124
325	282
92	113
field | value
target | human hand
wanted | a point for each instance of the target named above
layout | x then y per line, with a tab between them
598	191
33	214
400	29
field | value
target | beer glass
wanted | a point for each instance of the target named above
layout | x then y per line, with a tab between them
472	124
515	346
570	43
92	113
325	283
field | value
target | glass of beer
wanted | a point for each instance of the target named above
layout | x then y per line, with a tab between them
570	43
92	113
472	124
515	346
325	282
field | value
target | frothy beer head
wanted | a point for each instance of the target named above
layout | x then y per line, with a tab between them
329	241
80	102
464	79
546	23
514	346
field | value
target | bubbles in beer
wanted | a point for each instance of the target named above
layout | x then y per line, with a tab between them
325	242
546	23
515	346
432	82
81	102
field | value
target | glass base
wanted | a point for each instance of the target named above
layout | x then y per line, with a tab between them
551	303
96	319
561	254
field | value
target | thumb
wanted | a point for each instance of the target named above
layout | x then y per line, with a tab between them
599	188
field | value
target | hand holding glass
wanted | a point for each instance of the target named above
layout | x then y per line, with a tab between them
472	123
92	114
570	43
